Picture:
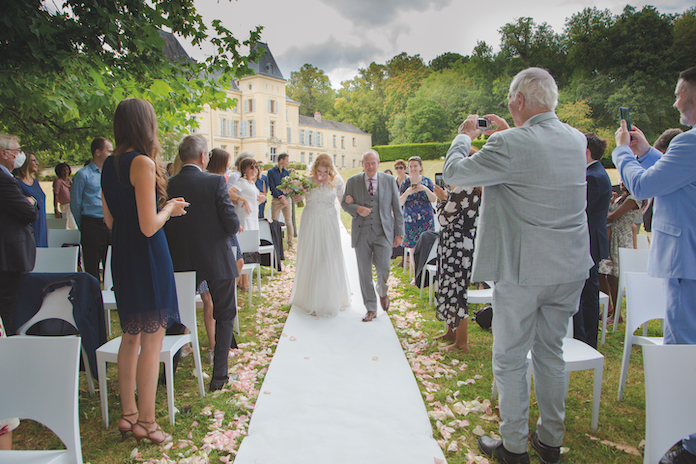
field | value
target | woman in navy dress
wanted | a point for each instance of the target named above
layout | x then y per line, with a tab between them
416	197
31	188
135	208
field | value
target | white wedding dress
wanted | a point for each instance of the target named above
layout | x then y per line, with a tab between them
321	282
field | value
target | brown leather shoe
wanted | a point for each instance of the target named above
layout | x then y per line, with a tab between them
369	316
384	301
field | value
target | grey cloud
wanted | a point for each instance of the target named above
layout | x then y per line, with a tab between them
328	55
380	12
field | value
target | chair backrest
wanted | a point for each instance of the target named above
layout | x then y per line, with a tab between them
57	223
433	251
39	382
56	259
56	305
265	231
186	295
58	237
670	376
645	300
108	278
642	242
249	241
633	260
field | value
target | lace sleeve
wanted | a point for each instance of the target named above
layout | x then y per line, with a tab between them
340	188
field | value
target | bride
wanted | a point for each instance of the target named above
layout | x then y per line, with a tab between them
321	282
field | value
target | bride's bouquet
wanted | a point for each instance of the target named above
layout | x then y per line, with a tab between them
296	184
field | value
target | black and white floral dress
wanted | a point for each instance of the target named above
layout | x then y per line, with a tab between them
458	217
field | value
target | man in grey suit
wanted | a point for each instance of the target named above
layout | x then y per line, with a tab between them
372	199
532	241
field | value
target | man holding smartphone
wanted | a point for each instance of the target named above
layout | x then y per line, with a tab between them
671	179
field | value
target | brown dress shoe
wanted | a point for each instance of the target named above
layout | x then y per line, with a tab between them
369	316
384	301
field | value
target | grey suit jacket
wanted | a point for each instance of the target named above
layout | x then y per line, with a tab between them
532	224
388	205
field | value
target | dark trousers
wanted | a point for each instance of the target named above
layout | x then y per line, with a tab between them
9	290
586	320
224	312
96	237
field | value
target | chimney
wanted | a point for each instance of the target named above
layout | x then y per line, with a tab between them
317	116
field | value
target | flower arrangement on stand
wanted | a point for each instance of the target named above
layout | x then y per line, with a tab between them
296	185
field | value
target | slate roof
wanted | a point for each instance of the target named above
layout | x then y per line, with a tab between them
266	66
327	124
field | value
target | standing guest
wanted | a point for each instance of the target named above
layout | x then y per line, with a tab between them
372	199
135	208
245	188
586	320
280	201
61	193
532	241
671	179
86	207
400	168
416	198
199	242
389	171
458	217
624	210
17	213
262	185
30	187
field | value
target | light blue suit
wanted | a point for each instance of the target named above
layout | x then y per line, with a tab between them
671	179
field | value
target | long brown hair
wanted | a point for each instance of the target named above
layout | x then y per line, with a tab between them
135	126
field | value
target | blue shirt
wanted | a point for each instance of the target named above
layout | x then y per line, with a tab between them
86	193
261	182
274	178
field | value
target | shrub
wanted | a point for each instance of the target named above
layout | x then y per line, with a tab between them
427	151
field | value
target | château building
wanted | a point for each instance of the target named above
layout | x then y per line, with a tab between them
266	122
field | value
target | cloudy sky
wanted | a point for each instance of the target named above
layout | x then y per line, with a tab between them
341	36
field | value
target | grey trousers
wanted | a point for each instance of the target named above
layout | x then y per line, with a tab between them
531	318
373	249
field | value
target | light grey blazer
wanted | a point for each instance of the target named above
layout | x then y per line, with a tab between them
532	222
388	205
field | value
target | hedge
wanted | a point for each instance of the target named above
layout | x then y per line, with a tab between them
427	151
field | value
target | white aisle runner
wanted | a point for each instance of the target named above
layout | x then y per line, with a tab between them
339	390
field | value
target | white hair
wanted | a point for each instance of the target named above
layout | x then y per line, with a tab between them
370	152
538	87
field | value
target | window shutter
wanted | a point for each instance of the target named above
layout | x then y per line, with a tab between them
244	129
289	135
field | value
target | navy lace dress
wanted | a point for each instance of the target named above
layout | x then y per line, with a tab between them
141	266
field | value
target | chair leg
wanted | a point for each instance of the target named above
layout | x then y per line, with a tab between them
199	367
422	283
605	313
103	396
169	375
88	370
258	279
430	288
617	305
108	320
624	365
597	395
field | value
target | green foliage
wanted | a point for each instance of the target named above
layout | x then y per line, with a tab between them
63	72
312	88
427	151
446	60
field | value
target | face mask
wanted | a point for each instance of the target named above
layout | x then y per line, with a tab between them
19	160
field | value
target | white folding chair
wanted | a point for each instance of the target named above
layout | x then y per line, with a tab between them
108	352
578	356
642	242
482	296
59	237
645	301
630	260
265	234
108	297
431	269
669	402
57	223
56	259
39	382
57	305
249	243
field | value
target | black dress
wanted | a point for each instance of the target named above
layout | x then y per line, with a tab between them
141	266
458	217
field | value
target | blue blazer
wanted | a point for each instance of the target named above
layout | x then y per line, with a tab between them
598	199
671	179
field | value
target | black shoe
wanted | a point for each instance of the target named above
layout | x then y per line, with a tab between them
493	448
217	384
678	456
547	454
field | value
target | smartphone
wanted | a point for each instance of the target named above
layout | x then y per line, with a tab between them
484	124
625	113
616	188
439	180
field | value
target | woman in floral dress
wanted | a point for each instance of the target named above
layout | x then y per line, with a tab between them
416	198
